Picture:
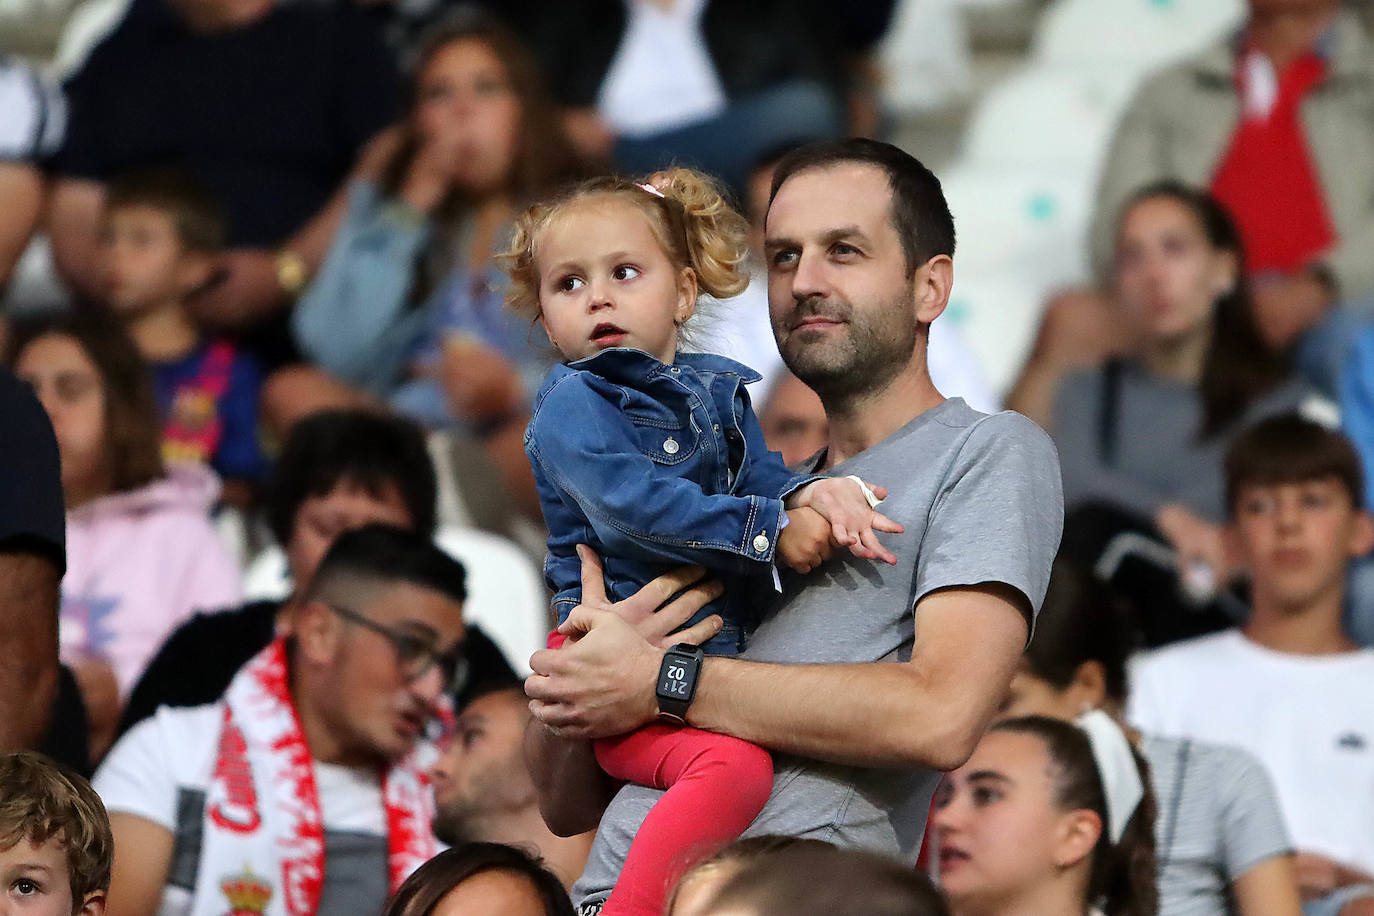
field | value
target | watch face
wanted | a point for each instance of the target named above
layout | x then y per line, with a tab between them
675	679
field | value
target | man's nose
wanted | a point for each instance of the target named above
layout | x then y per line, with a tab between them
429	686
810	279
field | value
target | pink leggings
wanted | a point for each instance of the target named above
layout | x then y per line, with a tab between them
716	785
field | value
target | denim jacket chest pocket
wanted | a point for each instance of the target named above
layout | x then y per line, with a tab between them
664	436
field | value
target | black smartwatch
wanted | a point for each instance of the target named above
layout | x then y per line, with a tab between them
677	682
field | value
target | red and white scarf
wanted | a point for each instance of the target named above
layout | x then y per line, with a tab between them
263	843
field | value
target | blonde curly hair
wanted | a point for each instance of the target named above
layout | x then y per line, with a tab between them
689	215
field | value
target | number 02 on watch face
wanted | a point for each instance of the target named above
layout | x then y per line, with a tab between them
674	681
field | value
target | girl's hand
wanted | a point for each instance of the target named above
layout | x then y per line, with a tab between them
805	543
854	523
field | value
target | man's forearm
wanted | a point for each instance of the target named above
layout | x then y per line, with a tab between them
29	586
877	714
928	712
573	789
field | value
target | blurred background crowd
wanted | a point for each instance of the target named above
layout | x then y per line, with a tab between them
248	266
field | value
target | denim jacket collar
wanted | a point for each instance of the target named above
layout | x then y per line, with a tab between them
627	366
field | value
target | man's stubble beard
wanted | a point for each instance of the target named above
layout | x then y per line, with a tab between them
873	350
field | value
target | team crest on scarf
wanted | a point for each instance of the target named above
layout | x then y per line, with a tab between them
247	893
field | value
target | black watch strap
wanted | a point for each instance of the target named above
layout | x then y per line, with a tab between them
677	682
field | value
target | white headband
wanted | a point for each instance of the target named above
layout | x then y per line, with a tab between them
1116	767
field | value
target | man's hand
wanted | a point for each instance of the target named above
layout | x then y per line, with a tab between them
805	543
243	290
602	681
1285	308
1195	540
1319	876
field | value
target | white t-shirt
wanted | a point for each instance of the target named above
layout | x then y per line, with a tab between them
161	769
1308	719
661	77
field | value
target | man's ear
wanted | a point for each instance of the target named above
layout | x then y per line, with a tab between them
93	905
931	287
1076	837
1362	534
316	629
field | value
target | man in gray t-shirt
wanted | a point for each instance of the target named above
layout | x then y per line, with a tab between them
865	680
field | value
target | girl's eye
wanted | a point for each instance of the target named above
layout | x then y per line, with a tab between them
985	796
625	272
25	887
569	283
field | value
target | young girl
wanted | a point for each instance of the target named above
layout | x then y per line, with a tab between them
654	458
141	552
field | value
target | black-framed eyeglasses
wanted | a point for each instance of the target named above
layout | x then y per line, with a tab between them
414	654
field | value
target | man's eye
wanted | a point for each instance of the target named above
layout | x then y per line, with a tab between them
625	272
783	258
410	648
844	250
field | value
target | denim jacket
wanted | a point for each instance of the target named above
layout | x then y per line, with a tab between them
655	466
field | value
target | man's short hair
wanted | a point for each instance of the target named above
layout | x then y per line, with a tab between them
370	450
920	213
1291	449
196	215
389	555
40	800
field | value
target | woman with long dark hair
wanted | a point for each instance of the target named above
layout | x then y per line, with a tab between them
1143	437
407	308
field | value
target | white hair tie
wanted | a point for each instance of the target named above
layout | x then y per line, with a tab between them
1116	767
869	495
650	188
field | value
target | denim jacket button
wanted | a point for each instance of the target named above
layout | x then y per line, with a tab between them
670	445
761	543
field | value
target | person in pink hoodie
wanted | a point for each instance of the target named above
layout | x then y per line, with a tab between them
142	554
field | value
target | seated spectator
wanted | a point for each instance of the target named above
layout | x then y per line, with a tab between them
305	783
32	117
817	879
1221	845
408	306
1289	686
708	85
699	885
1275	121
483	792
40	705
338	471
142	554
55	844
1143	437
267	105
160	235
793	419
1048	818
477	879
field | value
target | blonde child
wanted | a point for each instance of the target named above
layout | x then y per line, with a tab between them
654	458
55	843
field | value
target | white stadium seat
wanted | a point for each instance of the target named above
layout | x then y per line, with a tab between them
1131	34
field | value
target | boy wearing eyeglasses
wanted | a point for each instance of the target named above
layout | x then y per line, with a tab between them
302	790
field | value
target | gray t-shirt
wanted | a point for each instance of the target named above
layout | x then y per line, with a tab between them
980	498
1218	817
1157	456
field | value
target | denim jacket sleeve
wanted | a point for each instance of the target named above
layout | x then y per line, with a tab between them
353	319
639	509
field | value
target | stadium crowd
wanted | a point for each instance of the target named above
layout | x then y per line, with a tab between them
515	458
